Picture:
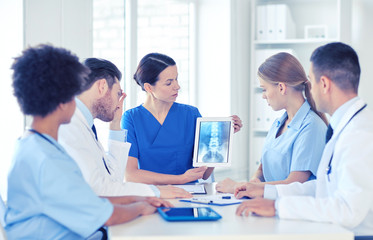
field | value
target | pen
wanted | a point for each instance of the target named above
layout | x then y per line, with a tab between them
226	197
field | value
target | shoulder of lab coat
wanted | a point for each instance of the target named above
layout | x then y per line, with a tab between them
347	198
79	141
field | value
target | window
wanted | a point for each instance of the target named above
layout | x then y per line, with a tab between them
108	43
163	26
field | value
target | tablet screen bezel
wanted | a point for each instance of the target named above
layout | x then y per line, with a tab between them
196	210
200	120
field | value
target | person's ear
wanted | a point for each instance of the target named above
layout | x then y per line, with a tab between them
148	87
282	88
325	83
102	86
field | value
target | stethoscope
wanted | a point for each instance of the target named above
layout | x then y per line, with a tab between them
328	169
44	137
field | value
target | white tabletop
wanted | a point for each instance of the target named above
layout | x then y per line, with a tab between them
229	227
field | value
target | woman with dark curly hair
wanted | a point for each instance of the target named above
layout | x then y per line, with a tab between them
47	195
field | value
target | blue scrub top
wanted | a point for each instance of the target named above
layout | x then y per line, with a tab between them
47	195
166	148
299	148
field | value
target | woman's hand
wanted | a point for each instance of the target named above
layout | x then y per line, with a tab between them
226	186
168	191
237	123
193	174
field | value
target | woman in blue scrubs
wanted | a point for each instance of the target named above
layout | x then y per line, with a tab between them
295	142
161	131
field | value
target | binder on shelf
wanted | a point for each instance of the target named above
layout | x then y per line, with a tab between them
271	22
258	143
274	22
285	27
261	22
258	116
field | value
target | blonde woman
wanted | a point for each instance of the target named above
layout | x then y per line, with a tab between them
295	142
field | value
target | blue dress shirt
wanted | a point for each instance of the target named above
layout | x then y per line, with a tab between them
299	148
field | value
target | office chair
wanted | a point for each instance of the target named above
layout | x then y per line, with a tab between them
2	221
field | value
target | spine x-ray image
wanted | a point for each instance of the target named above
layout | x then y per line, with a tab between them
213	142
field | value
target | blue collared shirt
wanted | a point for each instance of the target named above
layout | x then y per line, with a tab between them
299	148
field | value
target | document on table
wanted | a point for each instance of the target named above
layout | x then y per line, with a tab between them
219	200
193	188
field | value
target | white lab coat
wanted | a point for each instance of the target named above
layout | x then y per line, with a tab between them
347	198
79	141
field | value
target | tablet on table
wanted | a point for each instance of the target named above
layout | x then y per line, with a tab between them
189	214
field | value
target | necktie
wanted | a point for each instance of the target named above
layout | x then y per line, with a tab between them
94	131
329	133
103	159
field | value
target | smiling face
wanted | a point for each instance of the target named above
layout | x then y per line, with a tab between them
272	94
167	87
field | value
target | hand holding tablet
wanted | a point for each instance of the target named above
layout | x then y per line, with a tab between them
213	142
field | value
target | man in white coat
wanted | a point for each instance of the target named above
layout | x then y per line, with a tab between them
102	98
343	190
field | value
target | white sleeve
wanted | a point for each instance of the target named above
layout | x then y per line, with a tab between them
296	188
81	146
347	199
116	158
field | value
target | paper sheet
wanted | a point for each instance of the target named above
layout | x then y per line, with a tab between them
193	188
221	200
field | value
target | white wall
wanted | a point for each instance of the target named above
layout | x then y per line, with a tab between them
362	39
11	121
64	23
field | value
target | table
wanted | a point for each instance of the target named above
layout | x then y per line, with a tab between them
230	227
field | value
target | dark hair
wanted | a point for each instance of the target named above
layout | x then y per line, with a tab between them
284	67
44	77
101	68
150	67
339	62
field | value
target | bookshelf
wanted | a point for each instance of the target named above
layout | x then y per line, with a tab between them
294	26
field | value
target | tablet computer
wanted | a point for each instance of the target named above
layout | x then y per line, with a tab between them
189	214
213	142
